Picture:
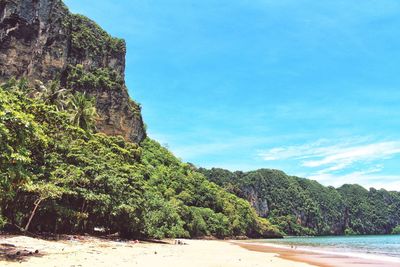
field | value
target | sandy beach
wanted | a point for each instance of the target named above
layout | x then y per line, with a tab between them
90	251
81	251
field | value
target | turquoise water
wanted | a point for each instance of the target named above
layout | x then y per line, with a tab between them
379	247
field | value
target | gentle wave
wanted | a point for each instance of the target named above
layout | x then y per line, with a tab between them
375	255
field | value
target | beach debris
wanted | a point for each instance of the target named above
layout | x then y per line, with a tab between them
18	254
179	242
99	229
8	245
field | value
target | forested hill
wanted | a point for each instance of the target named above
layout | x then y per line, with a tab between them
300	206
58	175
74	156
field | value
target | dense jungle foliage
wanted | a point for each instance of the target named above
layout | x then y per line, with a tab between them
58	175
304	207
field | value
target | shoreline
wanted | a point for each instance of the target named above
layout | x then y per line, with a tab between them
316	258
92	251
96	251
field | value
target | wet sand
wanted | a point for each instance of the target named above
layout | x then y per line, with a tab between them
317	259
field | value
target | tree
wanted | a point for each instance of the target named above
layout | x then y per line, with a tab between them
53	94
396	230
20	138
42	191
57	177
83	113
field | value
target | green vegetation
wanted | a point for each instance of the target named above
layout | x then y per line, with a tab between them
396	230
304	207
89	39
79	78
83	112
58	175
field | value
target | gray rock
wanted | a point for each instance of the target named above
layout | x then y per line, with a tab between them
41	40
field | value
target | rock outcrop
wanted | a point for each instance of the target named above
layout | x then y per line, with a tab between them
42	40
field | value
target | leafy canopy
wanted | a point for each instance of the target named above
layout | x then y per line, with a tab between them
57	175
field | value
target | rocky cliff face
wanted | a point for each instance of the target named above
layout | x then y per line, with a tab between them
42	40
257	202
300	206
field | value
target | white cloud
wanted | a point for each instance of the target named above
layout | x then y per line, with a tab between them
347	161
342	157
333	157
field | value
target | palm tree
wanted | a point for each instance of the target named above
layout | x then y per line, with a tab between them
56	95
53	94
83	112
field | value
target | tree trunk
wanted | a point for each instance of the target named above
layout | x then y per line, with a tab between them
37	203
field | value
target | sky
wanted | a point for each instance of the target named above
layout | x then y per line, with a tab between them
308	87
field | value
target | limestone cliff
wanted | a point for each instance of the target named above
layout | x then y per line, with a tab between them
42	40
300	206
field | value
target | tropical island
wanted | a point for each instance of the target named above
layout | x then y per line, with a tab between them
76	162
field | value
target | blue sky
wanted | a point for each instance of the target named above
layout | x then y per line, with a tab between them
308	87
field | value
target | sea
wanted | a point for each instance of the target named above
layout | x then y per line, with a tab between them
373	247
